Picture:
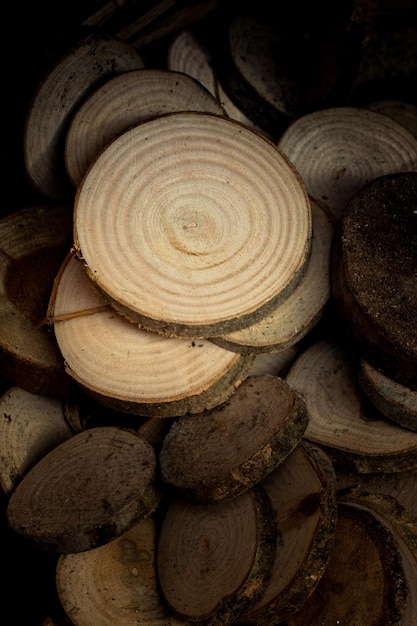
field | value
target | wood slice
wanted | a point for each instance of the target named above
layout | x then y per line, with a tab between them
34	242
85	66
373	286
395	401
302	491
275	363
122	101
133	370
85	492
213	562
115	583
339	149
221	453
404	112
340	420
191	224
32	425
299	313
364	582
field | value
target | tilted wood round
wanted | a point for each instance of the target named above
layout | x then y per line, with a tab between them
193	224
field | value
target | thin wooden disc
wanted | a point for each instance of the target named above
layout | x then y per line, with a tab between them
293	318
223	452
124	100
34	242
193	224
84	67
340	420
85	492
213	561
337	150
134	370
115	583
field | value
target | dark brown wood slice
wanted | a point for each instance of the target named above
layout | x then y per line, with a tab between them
86	491
218	454
213	561
302	491
364	582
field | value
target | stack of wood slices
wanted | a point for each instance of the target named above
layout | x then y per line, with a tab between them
208	324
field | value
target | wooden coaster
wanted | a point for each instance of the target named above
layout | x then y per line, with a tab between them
374	261
85	492
192	224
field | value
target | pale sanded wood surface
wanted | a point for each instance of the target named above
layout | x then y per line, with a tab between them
193	224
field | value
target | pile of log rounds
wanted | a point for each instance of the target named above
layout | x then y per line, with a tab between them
208	320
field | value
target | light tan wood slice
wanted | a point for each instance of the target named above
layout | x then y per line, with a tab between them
132	370
80	70
87	491
275	363
34	242
213	561
220	453
302	491
373	286
364	582
124	100
395	401
293	318
337	150
403	112
350	429
32	425
192	224
115	583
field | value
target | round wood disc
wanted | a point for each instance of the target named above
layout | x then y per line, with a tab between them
84	67
193	224
124	100
221	453
133	370
85	492
339	149
374	274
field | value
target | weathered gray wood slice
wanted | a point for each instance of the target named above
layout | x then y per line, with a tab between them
340	417
133	370
293	318
121	102
192	224
374	265
395	401
34	242
364	582
85	66
302	491
33	425
218	454
338	150
115	583
87	491
214	561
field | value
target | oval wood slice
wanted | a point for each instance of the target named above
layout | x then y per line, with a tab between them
132	370
192	224
364	582
220	453
115	583
213	562
32	425
85	66
395	401
337	150
373	286
34	242
302	491
85	492
124	100
293	318
403	112
350	429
